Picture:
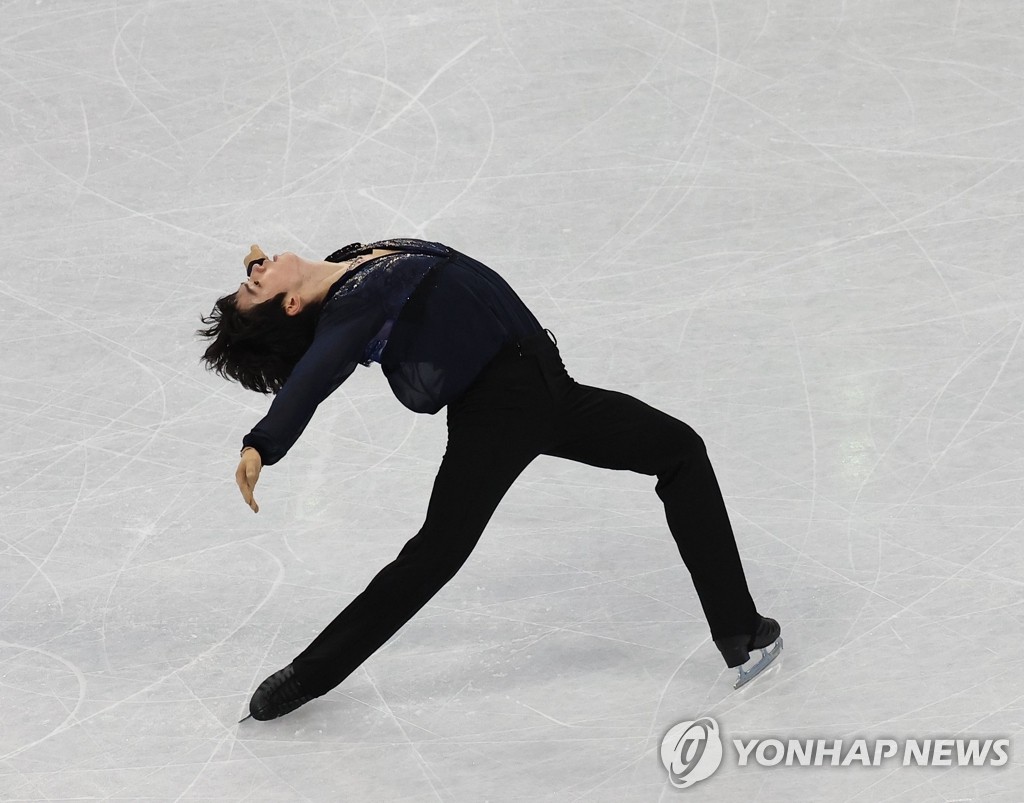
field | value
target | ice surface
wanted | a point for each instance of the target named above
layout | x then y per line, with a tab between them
795	225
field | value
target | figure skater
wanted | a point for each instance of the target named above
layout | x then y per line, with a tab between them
448	331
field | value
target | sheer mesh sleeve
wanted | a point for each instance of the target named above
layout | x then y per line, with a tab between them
331	358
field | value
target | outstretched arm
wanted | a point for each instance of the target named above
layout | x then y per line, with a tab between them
329	361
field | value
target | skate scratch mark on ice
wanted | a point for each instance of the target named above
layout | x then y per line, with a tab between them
114	347
452	697
875	62
67	725
79	496
414	100
213	753
53	22
502	34
88	156
792	676
10	547
492	128
898	225
828	572
281	774
259	671
683	160
956	157
802	550
551	629
132	213
144	534
245	119
896	633
1010	705
869	792
933	704
679	162
286	156
70	719
119	40
955	439
598	581
40	567
904	223
644	753
528	642
429	774
387	711
313	57
546	716
64	407
701	302
766	470
38	570
930	403
233	729
415	229
386	458
964	568
140	360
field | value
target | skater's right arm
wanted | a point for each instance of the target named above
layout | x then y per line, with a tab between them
334	354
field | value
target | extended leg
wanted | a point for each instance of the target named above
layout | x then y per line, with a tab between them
612	430
470	483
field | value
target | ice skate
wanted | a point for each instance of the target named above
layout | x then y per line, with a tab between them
736	650
278	695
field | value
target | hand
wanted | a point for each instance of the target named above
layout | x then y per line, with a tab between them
247	475
254	257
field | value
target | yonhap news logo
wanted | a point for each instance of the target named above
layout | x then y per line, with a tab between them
693	751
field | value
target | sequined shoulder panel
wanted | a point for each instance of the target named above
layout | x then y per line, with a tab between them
383	267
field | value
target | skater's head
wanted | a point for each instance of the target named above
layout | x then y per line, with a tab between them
261	330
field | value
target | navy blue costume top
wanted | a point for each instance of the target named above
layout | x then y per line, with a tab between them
432	317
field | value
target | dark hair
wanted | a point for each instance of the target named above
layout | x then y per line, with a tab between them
260	347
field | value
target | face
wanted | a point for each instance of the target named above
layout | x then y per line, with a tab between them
277	274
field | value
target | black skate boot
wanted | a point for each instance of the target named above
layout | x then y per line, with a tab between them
736	649
278	695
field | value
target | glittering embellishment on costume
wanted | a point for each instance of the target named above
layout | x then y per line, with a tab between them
389	279
375	348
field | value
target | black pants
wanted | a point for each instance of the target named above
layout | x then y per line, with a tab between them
523	405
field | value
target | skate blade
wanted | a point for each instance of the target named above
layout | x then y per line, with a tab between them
767	659
243	720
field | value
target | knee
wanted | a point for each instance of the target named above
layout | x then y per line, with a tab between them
428	565
686	453
689	444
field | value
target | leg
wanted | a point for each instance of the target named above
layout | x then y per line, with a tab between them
470	483
612	430
491	439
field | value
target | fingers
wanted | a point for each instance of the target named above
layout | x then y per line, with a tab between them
246	477
254	256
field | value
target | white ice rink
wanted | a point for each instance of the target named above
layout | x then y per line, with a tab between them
796	225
